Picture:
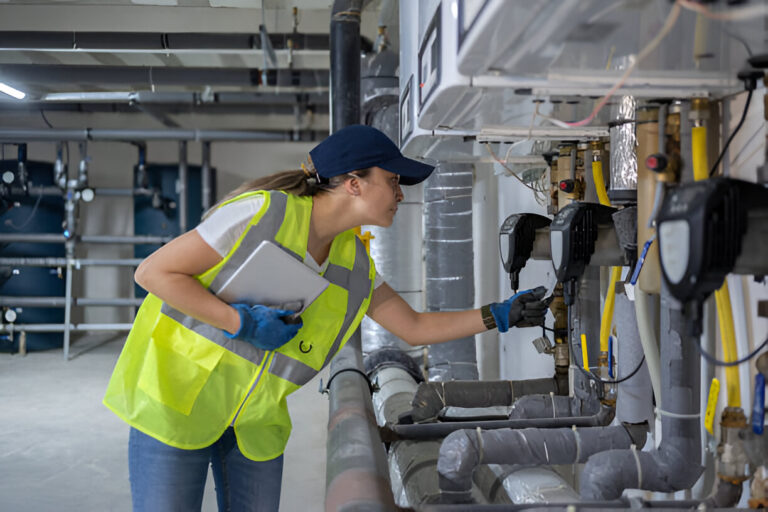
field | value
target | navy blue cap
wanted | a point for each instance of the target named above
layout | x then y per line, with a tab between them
356	147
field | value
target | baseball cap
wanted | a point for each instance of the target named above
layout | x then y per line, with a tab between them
359	147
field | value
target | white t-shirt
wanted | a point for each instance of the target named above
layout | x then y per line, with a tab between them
225	225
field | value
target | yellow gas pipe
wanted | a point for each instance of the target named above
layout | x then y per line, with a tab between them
610	297
722	296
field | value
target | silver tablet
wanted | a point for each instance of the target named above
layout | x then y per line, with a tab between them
271	277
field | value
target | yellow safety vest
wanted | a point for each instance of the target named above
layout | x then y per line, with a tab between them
183	382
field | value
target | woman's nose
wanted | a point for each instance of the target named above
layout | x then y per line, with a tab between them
399	193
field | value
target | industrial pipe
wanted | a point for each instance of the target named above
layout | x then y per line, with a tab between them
56	238
61	262
205	176
345	63
357	473
647	331
129	135
556	406
58	302
700	165
674	465
181	186
390	433
11	328
432	397
462	451
448	267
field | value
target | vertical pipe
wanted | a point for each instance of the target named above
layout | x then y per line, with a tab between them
181	187
345	63
449	264
205	172
68	299
356	474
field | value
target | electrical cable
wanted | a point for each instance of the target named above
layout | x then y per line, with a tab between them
493	155
733	134
616	381
47	122
715	361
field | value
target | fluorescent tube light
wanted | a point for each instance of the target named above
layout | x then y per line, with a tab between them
10	91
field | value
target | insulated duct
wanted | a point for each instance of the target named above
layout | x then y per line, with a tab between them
433	397
356	474
634	402
464	450
396	250
623	186
411	464
449	266
437	430
520	484
675	464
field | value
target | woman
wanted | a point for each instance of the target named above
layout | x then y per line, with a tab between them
201	381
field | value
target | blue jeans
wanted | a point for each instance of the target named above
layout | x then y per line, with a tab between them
168	479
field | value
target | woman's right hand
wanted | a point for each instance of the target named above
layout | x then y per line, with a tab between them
264	327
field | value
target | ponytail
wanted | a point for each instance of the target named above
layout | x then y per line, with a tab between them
302	182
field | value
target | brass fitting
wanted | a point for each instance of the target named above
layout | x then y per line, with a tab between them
699	111
733	457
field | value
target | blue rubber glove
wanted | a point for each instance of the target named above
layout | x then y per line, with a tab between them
523	309
263	327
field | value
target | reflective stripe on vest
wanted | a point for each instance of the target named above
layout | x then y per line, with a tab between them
184	382
283	366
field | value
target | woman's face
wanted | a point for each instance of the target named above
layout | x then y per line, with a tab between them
381	192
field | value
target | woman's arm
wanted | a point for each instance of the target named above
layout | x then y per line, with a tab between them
394	314
168	274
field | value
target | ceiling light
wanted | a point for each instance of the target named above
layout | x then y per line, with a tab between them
10	91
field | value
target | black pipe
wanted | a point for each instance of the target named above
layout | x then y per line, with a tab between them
391	433
345	63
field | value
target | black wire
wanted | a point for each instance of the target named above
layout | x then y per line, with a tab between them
42	113
715	361
617	381
735	131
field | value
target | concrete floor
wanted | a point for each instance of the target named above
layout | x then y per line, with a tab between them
62	450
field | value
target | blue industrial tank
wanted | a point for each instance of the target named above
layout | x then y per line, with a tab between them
31	213
157	214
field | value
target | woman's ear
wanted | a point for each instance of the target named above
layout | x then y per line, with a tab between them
352	186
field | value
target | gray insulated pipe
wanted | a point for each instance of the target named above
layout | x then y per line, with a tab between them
675	464
397	250
464	450
449	265
433	397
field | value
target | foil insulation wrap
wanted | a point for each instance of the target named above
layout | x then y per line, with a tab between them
623	144
397	253
449	264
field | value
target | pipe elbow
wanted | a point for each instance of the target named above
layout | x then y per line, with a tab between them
459	456
607	474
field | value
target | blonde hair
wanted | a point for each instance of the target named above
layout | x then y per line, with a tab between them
301	182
